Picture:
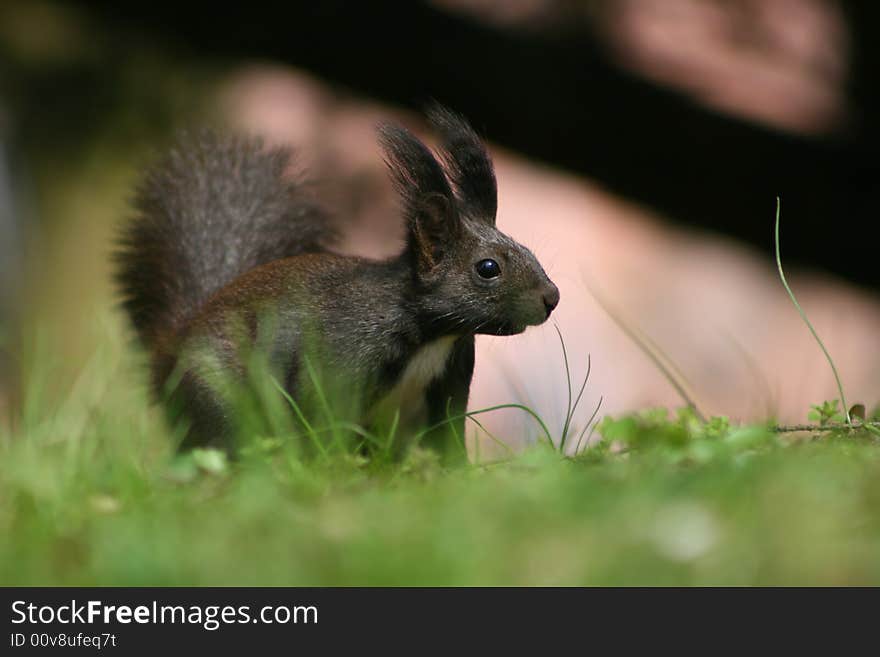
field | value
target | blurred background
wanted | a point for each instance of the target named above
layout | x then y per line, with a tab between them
640	146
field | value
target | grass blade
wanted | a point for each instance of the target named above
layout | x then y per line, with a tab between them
662	362
806	320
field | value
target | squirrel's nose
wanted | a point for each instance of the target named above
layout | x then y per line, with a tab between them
551	298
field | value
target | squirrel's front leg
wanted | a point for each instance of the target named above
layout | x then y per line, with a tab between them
447	399
206	415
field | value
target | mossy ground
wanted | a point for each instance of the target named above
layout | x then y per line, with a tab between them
91	493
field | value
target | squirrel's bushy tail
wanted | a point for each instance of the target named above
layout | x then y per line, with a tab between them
211	210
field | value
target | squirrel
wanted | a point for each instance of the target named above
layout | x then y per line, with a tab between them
226	252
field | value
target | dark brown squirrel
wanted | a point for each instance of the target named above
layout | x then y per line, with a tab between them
226	253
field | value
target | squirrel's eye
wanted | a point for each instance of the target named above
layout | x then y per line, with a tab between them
488	268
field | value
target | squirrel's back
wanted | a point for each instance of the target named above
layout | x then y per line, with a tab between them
212	209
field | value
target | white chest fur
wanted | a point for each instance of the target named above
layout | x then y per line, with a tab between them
408	394
427	364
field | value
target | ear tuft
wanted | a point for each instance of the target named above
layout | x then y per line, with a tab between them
415	170
429	203
468	163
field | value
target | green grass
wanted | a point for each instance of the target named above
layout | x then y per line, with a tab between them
92	494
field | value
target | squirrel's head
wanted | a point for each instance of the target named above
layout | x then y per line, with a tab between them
471	277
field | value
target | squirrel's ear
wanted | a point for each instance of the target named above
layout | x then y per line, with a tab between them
433	230
429	204
468	163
